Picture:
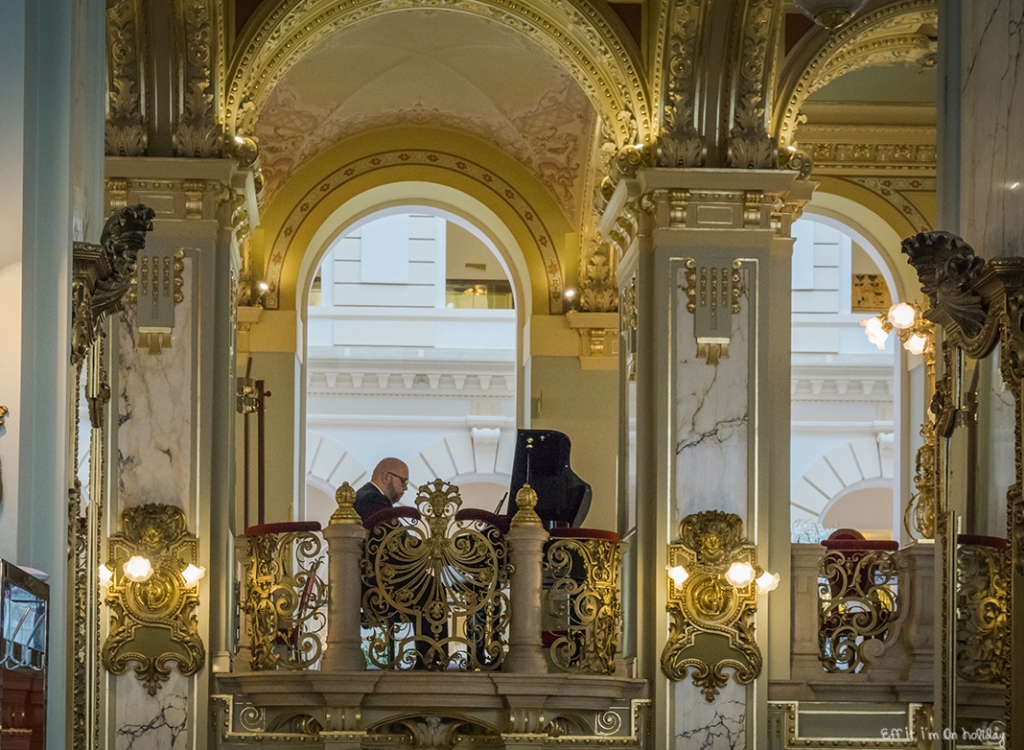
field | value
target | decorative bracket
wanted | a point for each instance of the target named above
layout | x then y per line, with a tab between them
153	621
713	289
712	625
156	288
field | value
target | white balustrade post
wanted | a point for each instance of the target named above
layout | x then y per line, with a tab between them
804	577
526	550
344	535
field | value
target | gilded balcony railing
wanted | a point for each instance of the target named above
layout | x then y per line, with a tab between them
981	610
285	595
858	605
583	607
435	586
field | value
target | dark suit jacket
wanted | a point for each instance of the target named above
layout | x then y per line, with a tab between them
369	500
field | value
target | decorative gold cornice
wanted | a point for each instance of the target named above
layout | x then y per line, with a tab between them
886	35
574	32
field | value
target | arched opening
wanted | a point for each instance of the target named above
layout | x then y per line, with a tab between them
411	351
846	427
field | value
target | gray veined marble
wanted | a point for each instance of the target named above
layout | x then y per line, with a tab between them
992	106
711	726
711	418
146	722
155	412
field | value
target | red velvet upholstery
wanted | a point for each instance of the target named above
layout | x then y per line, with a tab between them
981	541
390	514
571	533
851	540
483	516
282	528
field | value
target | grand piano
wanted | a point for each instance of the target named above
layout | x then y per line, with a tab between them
542	458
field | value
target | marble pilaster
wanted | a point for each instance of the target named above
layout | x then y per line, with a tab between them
710	433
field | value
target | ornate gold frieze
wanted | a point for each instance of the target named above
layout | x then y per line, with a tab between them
425	577
869	293
981	579
285	599
196	132
153	622
750	146
126	127
712	627
858	606
583	603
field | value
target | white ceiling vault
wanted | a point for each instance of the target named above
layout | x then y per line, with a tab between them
441	68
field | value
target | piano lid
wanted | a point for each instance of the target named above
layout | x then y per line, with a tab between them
562	497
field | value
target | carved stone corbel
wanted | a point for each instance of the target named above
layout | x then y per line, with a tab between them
102	274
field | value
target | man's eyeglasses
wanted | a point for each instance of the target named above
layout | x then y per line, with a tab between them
403	480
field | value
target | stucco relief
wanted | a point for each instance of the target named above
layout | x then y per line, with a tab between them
545	120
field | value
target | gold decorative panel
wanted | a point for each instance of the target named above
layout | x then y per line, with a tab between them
153	622
712	626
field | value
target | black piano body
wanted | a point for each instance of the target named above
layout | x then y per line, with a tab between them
563	499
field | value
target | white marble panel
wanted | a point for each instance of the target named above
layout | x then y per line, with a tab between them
151	722
720	725
992	162
711	418
155	412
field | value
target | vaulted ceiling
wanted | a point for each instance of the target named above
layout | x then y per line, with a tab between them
436	67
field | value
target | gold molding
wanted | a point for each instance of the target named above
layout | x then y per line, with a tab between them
576	34
885	35
153	622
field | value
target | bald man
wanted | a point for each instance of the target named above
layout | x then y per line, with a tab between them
385	488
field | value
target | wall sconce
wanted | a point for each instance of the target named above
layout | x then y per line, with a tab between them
916	333
714	581
151	579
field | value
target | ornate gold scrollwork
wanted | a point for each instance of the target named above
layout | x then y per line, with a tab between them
285	600
980	613
857	594
153	622
919	517
712	625
584	600
436	589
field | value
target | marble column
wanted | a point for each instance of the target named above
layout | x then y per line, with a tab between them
707	260
175	414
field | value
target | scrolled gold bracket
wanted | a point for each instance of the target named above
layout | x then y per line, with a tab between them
153	622
712	626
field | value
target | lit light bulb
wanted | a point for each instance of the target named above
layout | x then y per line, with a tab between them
678	575
902	315
106	577
767	582
570	293
264	286
875	330
915	344
192	574
239	139
138	569
740	574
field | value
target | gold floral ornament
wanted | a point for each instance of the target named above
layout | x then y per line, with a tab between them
435	587
713	585
151	577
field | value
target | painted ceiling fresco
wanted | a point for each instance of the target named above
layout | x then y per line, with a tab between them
440	68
